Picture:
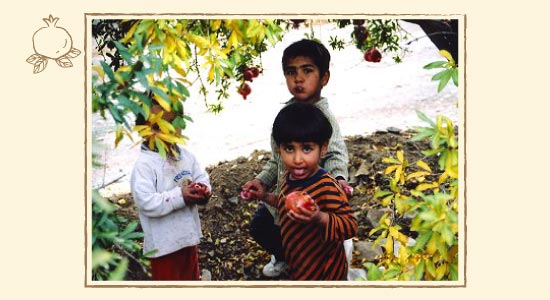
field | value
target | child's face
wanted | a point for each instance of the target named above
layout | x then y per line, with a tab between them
303	79
301	159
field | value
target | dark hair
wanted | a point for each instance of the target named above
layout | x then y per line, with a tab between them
308	48
301	122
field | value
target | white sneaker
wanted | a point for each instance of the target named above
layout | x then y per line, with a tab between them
274	268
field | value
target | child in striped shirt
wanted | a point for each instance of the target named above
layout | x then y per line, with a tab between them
312	237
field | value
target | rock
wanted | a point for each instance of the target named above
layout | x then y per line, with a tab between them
355	274
363	169
374	215
393	130
234	200
397	244
206	275
367	251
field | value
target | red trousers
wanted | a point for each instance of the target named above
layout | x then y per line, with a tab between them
180	265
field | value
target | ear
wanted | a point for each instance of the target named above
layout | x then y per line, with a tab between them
324	149
325	78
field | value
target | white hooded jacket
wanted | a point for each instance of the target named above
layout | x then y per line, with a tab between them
168	224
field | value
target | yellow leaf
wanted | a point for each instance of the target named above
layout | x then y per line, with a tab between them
443	177
165	105
118	135
390	169
390	160
99	71
386	201
431	247
169	138
417	174
389	245
393	232
130	34
215	24
165	126
425	186
440	271
153	119
211	73
448	56
423	165
233	40
400	156
119	79
398	173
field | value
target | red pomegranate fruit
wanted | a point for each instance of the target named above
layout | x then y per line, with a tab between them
298	199
373	55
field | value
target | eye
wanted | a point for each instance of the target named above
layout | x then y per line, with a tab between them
307	148
288	148
290	72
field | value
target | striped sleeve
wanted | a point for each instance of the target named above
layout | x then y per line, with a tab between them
341	225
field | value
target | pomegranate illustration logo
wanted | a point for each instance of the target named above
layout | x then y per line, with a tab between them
52	42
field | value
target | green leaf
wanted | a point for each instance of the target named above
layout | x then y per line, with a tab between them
422	135
435	64
381	193
448	235
419	270
123	51
130	228
454	75
100	257
444	80
120	271
392	273
107	70
160	147
424	118
440	75
430	267
373	273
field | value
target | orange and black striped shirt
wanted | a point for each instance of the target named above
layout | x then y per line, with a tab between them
315	252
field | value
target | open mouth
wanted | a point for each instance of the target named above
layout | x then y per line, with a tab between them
298	173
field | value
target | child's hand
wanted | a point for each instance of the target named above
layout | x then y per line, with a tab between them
253	190
196	193
305	215
348	189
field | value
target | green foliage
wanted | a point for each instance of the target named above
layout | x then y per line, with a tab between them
114	238
450	70
157	57
382	34
433	205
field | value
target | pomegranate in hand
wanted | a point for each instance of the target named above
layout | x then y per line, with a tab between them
299	199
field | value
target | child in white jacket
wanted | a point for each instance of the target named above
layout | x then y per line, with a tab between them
166	192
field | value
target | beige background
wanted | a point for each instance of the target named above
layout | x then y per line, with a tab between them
43	151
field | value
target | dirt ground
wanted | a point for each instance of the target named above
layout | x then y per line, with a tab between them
227	250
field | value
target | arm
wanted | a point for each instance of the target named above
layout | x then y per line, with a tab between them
337	158
150	202
268	175
332	213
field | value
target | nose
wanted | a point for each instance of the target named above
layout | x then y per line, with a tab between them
297	159
299	77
